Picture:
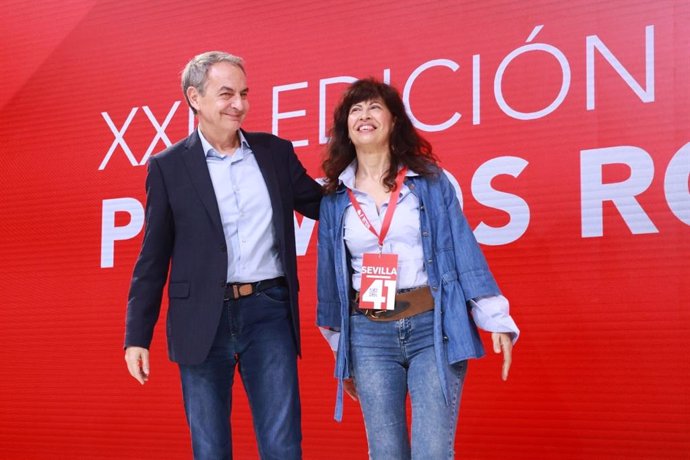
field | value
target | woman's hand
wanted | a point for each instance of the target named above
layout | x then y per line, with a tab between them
350	389
502	342
348	384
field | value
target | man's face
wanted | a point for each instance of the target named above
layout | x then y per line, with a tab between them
223	106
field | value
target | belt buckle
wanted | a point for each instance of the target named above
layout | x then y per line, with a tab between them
242	290
376	314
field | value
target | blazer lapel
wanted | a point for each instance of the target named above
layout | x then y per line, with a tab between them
195	161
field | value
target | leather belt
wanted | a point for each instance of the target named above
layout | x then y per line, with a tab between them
407	303
234	291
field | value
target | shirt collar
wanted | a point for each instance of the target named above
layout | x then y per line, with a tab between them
347	177
209	151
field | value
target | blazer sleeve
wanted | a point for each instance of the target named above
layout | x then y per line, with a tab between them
306	191
475	277
151	268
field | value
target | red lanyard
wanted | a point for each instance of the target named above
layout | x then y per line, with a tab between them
392	203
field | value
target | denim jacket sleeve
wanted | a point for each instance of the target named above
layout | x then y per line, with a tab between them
331	289
328	305
475	277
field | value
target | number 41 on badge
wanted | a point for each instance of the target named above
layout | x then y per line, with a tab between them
379	279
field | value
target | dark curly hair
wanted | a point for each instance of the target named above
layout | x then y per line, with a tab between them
407	146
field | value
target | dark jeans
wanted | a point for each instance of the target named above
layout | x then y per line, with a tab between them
255	336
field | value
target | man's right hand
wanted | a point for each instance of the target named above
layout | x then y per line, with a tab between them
137	359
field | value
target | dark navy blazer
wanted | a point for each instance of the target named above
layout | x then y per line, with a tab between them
183	237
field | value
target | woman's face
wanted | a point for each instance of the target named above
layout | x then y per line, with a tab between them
370	125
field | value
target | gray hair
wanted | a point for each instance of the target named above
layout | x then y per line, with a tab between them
195	73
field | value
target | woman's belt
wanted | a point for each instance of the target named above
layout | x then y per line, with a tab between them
407	303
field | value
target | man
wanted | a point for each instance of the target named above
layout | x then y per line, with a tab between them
219	214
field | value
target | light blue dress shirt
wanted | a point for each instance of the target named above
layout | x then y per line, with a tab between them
403	238
246	213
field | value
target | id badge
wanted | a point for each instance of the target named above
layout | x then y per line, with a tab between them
379	280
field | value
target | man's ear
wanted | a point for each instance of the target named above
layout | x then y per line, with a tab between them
193	96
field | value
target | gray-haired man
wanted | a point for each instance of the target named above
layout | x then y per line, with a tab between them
219	216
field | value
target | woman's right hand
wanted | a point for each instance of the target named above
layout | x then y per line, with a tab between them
348	384
350	389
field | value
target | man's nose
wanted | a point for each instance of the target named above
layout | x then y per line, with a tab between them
236	102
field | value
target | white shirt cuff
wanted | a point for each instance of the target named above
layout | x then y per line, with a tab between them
493	314
332	337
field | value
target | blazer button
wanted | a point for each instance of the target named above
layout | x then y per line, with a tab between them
223	249
222	284
425	233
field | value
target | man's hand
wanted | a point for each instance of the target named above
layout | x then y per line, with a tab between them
502	342
137	359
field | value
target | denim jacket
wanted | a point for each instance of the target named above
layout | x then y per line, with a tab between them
455	265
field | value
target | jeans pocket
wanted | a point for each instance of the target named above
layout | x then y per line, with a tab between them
277	294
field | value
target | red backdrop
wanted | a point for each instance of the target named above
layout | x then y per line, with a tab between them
566	126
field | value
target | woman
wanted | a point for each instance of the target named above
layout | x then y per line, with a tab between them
391	234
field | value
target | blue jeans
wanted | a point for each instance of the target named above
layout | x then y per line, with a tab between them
394	358
254	335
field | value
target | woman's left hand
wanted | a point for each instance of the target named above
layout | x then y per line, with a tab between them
502	342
